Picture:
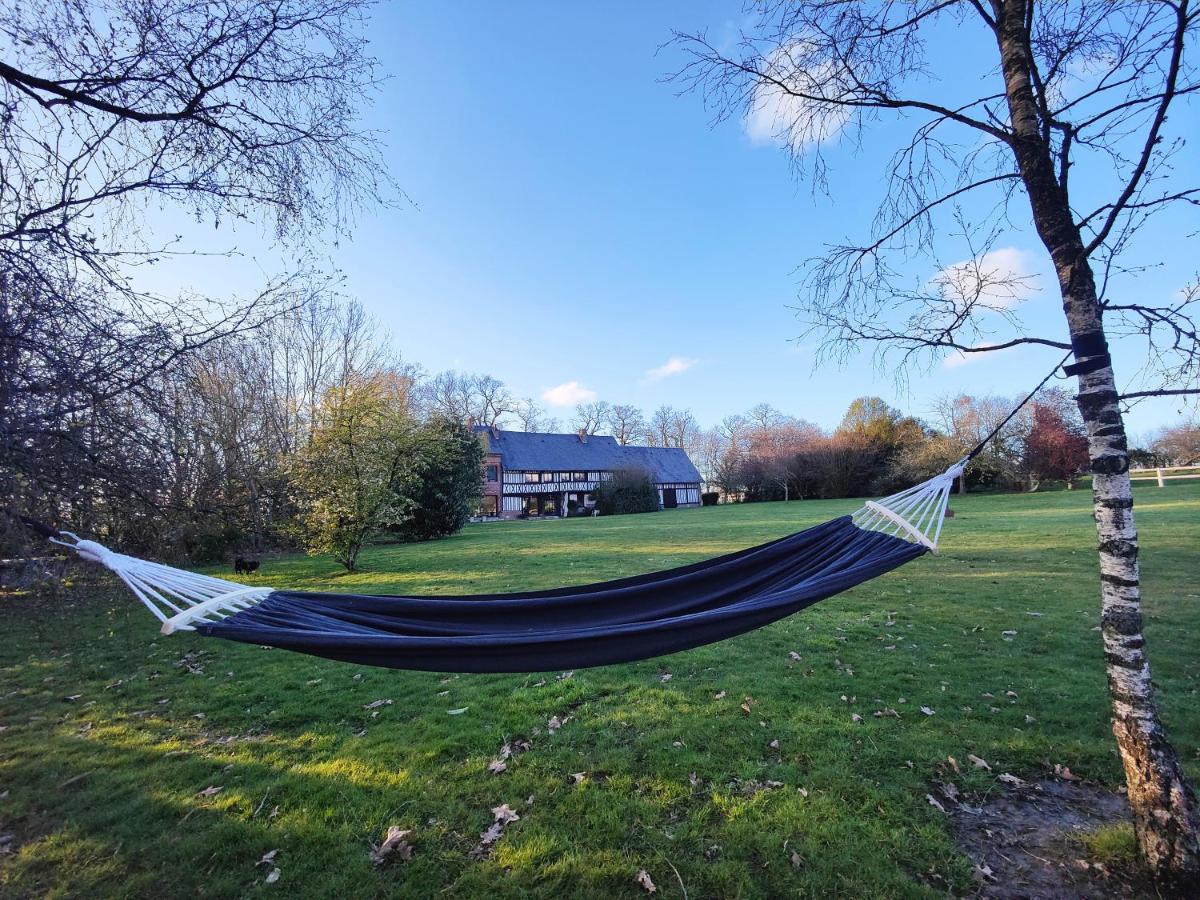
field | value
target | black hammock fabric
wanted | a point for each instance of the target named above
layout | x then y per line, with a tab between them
575	627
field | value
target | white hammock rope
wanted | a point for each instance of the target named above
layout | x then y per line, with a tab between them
179	598
176	597
915	514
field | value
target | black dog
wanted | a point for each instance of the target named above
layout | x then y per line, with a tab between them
245	566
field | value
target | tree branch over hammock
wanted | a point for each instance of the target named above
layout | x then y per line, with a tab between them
1081	85
225	111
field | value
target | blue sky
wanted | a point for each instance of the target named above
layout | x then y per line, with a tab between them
575	221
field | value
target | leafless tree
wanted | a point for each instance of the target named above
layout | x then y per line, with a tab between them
591	417
1180	444
533	417
626	422
231	110
1072	132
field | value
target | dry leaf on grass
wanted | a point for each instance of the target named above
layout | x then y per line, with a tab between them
720	695
979	763
665	677
643	879
578	777
1064	773
395	844
267	858
272	876
496	767
504	814
855	718
211	791
933	801
378	703
797	860
1012	779
953	763
928	711
457	712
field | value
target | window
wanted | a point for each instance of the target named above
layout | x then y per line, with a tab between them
549	506
487	506
533	477
547	477
579	476
564	476
493	474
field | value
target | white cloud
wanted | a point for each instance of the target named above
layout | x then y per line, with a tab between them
569	393
998	280
674	366
958	358
777	116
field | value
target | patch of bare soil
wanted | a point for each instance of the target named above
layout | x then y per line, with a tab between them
1026	843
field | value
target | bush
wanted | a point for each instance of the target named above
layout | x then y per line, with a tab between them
628	491
448	487
709	498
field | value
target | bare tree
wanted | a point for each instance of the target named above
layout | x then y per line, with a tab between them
228	110
533	417
626	422
591	417
1077	88
491	400
1180	444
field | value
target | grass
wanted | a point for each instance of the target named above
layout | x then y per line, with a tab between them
111	732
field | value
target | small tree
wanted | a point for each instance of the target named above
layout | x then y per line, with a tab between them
446	484
355	476
1055	448
628	491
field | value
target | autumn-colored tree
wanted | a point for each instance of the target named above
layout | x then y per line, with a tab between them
355	477
1055	448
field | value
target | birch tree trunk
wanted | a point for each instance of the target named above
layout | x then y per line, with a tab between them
1164	806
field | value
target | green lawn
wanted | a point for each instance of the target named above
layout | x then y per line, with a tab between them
111	732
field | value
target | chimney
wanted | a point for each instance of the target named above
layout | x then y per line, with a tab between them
583	435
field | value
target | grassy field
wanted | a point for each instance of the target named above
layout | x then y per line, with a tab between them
113	736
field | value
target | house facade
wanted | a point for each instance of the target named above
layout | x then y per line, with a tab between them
533	474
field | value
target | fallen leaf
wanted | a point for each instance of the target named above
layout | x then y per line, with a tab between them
950	791
1012	779
578	777
211	791
496	767
953	763
665	677
720	695
803	792
1064	773
396	843
933	801
272	876
927	711
774	745
794	656
855	718
493	833
643	879
267	857
378	703
979	763
797	860
1029	720
457	712
554	724
505	814
693	780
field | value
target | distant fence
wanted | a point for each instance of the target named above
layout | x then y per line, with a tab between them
1163	474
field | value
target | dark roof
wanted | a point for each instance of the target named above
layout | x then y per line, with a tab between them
533	451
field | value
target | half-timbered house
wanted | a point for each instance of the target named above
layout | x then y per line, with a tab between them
534	474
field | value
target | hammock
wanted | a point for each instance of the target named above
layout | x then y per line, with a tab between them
566	628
